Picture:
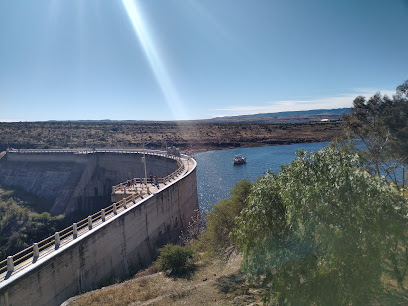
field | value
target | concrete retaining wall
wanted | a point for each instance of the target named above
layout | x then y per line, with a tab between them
118	248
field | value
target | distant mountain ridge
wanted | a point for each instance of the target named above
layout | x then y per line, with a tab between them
267	118
286	117
337	111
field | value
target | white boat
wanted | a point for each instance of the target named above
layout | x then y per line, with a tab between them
238	160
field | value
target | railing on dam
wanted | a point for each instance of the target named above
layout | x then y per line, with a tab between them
132	184
92	151
46	246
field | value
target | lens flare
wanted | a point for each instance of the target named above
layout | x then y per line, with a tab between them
155	60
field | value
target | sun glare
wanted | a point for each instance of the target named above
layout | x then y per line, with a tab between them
155	60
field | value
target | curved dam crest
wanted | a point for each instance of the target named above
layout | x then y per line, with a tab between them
77	181
116	248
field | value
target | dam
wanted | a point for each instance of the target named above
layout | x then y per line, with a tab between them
78	180
117	239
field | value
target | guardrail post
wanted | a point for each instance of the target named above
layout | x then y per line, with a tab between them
90	222
74	230
57	240
124	203
113	189
133	198
124	190
115	211
103	215
10	264
36	250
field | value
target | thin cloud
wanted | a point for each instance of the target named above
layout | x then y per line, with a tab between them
340	101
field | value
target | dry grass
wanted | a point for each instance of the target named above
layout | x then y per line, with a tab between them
214	283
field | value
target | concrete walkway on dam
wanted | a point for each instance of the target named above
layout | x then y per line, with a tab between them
125	197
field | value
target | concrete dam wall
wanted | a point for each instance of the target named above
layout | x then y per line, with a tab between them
114	249
77	182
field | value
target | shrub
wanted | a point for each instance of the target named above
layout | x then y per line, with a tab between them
221	219
323	231
176	260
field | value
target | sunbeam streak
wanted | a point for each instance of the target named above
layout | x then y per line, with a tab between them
158	67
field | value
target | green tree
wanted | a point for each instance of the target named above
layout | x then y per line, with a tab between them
221	219
381	123
323	231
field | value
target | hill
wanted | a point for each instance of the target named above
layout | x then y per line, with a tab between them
286	117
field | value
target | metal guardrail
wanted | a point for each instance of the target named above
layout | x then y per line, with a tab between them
161	180
79	228
90	151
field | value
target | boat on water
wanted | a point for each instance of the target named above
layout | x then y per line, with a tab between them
238	160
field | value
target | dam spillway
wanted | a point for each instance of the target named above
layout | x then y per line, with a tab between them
118	246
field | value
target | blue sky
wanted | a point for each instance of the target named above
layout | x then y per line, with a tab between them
194	59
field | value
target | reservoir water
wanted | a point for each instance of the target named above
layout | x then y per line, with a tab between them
216	174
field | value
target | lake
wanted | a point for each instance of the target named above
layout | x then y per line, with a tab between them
216	174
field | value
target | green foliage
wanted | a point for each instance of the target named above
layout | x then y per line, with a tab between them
323	230
221	218
20	226
175	260
8	193
381	123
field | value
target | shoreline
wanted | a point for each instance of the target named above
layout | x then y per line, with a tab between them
254	145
